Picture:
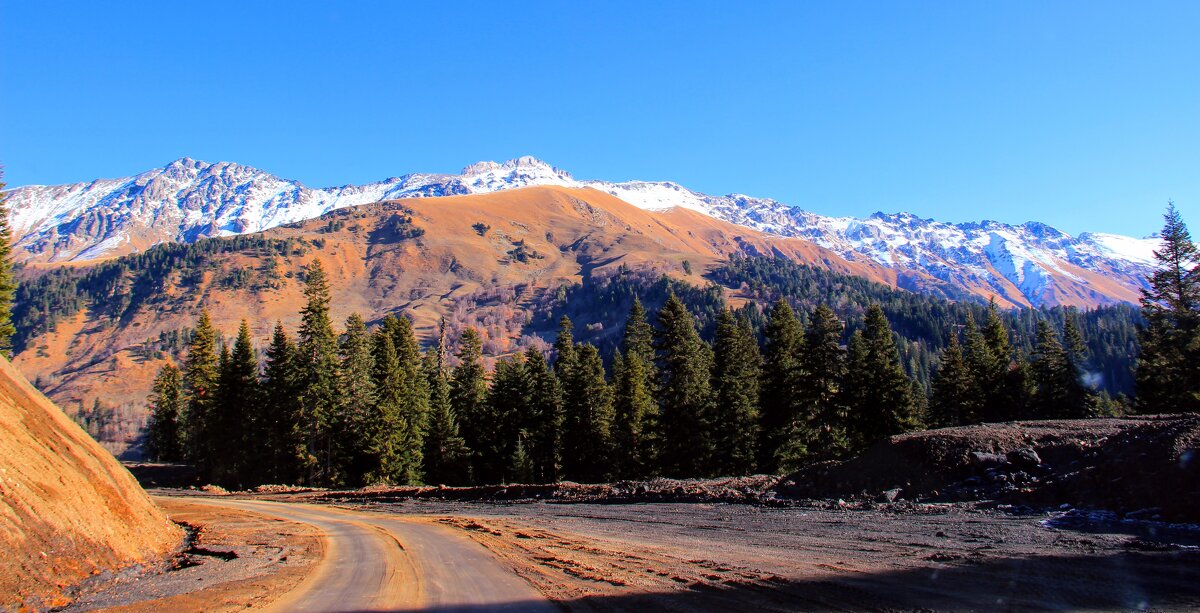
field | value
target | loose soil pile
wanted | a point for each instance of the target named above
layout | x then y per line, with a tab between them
68	510
1145	466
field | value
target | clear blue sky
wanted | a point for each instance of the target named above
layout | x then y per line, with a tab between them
1085	115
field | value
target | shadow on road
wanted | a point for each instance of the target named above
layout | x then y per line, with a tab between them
1126	581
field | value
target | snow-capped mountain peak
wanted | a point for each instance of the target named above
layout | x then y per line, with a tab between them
187	199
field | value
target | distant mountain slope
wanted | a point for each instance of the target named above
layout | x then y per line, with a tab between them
481	260
68	510
1028	264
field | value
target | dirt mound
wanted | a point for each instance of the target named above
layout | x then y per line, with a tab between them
731	489
68	510
1146	465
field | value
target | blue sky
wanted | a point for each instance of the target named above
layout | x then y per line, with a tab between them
1084	115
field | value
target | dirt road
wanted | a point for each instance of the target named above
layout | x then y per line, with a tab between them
375	563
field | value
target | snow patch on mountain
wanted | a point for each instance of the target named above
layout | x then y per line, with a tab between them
190	199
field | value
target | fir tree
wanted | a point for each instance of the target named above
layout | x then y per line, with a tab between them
685	393
954	389
1168	369
201	374
587	418
447	458
1001	377
166	405
780	390
281	387
1057	392
634	407
356	425
414	397
881	403
735	417
8	283
564	349
319	398
544	419
393	442
509	404
468	394
234	412
822	410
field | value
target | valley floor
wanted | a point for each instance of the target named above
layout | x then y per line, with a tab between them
821	555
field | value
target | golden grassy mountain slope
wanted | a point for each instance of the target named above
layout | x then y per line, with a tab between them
67	508
480	262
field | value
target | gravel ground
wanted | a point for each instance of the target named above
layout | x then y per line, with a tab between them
829	557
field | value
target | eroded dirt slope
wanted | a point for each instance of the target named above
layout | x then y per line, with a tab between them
1148	464
68	510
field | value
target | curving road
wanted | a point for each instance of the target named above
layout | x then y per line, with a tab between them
384	563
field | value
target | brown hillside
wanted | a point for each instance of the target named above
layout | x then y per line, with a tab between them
537	240
67	509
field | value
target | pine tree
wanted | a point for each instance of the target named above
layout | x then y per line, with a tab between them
1168	370
634	407
319	399
738	367
881	403
232	461
447	458
509	404
544	421
822	413
780	389
564	349
954	389
1057	391
1002	378
587	418
201	374
281	388
414	398
685	393
468	394
392	439
166	405
8	283
356	426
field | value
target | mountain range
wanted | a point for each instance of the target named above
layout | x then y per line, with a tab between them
1031	264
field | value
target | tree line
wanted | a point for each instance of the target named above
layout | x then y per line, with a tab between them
372	407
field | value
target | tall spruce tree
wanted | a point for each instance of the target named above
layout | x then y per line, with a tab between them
881	403
1057	393
201	375
1001	377
166	405
738	367
1168	369
509	405
468	395
823	413
587	418
447	458
685	393
281	388
780	389
954	389
634	406
356	426
319	398
8	282
234	414
545	417
414	398
394	445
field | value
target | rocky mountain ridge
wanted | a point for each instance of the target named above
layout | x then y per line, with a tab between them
1028	264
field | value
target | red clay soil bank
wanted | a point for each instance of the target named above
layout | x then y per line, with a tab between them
68	510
